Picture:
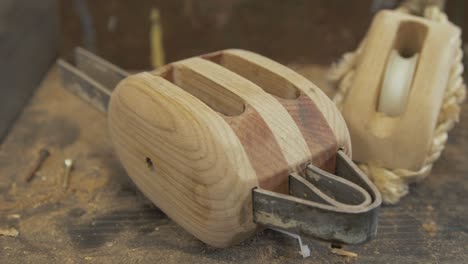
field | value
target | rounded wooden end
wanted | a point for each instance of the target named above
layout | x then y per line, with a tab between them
184	157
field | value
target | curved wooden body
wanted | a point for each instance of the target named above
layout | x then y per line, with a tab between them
196	136
399	142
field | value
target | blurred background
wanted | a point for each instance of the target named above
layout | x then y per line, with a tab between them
143	34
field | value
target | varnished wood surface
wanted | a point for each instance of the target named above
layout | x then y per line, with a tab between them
103	218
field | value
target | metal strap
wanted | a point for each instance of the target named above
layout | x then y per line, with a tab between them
93	78
339	208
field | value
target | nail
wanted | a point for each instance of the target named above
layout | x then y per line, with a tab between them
68	168
43	154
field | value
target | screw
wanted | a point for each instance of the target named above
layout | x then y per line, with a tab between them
66	176
43	154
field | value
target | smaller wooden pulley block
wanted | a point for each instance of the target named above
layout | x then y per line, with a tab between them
400	93
230	141
395	98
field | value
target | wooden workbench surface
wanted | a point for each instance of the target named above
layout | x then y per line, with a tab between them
103	218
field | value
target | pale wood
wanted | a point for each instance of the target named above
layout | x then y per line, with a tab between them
195	178
196	138
401	141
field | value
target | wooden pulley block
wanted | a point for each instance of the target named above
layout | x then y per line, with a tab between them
227	141
394	101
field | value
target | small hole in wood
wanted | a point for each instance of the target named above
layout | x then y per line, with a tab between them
149	163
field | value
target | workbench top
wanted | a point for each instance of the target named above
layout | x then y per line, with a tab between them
103	218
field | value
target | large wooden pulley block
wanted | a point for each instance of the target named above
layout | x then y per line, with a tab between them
231	141
199	134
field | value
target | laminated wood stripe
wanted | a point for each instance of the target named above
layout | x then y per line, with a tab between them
262	149
236	104
295	95
283	82
204	73
315	130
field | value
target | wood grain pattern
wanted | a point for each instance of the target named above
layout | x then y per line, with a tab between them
314	127
315	130
205	73
196	137
284	83
401	141
199	182
259	143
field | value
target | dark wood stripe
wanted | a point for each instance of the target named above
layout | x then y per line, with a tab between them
262	149
315	130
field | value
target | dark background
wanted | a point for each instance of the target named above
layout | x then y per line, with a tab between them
33	33
299	30
296	31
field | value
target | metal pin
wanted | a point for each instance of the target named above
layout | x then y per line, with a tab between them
66	176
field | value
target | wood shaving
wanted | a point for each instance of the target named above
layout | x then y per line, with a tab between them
11	232
342	252
14	216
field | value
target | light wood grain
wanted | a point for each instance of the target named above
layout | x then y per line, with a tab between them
198	71
200	171
196	137
399	141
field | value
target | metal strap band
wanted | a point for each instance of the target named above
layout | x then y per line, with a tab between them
93	78
340	208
